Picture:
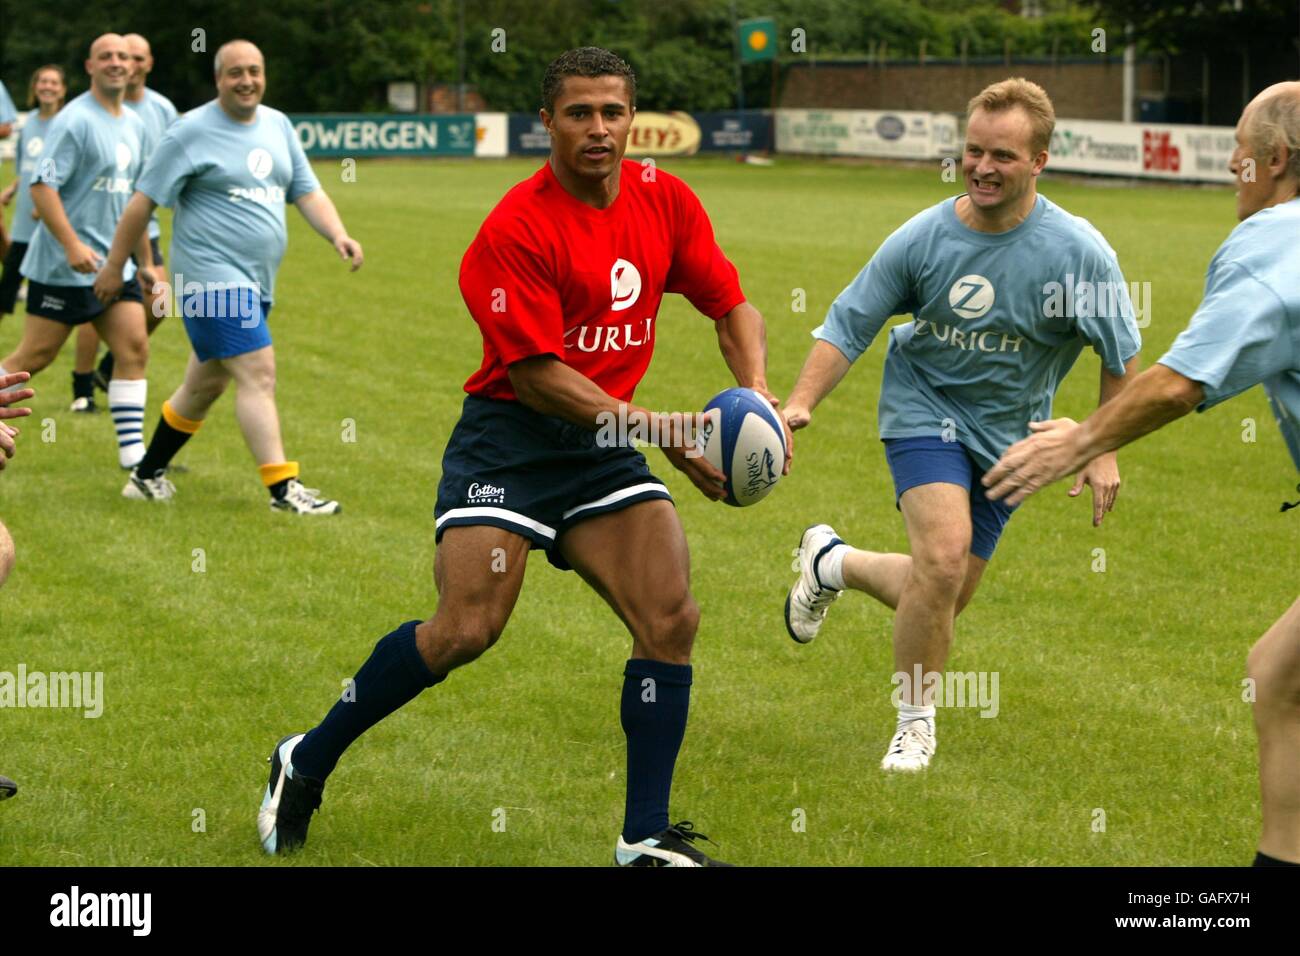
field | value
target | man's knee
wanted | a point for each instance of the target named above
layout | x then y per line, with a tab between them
669	632
457	636
941	565
35	358
1274	670
206	391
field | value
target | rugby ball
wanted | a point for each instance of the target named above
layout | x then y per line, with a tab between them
741	435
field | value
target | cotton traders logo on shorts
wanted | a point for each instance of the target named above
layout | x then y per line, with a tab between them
971	296
480	494
52	302
259	163
624	285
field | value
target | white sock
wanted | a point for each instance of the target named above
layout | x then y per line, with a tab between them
910	712
126	398
829	568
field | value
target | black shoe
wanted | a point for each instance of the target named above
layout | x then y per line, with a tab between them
7	788
289	801
101	382
671	847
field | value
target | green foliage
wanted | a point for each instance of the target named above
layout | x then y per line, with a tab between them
338	55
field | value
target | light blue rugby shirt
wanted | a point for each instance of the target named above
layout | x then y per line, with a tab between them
92	158
158	112
31	140
1246	330
229	182
998	321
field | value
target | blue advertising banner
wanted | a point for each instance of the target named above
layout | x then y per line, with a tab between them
527	135
379	134
668	134
734	132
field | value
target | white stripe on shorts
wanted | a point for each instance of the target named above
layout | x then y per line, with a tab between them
618	496
513	517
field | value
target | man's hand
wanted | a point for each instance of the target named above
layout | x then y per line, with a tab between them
82	258
1035	462
797	417
350	250
8	433
108	284
1102	473
676	437
7	194
789	436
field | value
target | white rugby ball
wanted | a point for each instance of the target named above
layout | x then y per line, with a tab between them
741	435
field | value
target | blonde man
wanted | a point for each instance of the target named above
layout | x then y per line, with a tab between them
990	340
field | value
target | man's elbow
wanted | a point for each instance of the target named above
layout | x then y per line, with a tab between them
1181	392
525	380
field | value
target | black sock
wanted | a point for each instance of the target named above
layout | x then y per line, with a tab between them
394	674
1263	859
106	366
279	488
164	445
656	697
83	384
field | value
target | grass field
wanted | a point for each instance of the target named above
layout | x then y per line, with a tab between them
1120	690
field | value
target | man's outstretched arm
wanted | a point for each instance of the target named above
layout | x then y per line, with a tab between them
1154	399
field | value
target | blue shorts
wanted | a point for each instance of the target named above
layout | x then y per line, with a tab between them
511	467
923	461
227	323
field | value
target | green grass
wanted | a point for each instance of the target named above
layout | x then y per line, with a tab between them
1119	690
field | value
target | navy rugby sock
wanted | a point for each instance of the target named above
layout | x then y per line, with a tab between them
83	384
656	697
394	674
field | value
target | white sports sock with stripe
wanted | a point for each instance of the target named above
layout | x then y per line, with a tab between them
126	398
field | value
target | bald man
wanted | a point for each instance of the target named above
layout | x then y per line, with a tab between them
158	112
228	167
1246	332
94	150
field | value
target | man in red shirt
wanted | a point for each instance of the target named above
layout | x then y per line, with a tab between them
564	280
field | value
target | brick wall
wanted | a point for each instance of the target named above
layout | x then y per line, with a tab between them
1079	90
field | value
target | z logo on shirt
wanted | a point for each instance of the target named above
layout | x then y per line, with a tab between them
971	296
624	285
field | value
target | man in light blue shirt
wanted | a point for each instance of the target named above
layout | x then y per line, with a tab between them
1246	332
1006	289
228	167
93	151
158	113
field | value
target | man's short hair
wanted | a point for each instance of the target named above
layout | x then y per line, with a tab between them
584	61
1029	96
216	59
1273	123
